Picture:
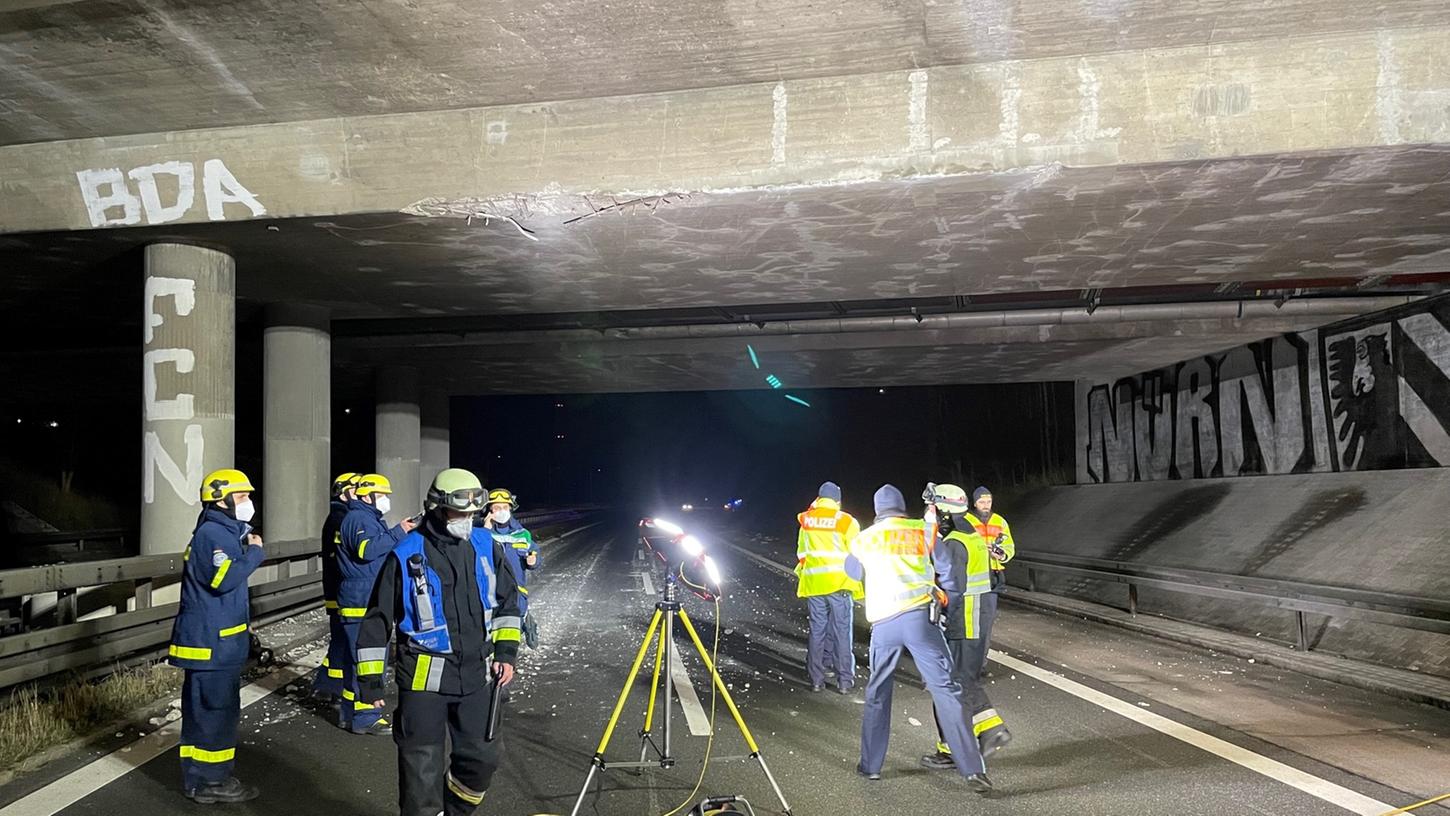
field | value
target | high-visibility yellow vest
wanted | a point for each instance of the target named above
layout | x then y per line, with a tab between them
897	565
821	549
989	530
979	566
964	610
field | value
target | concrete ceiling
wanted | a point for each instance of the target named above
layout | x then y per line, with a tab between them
82	68
1262	220
982	347
726	155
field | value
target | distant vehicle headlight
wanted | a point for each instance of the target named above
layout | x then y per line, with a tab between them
687	507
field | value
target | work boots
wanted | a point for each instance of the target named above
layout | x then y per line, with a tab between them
230	792
380	728
939	761
979	783
995	740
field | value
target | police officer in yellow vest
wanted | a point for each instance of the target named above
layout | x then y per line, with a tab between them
967	582
900	569
209	640
821	549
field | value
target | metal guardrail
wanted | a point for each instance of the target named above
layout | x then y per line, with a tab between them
31	549
1410	611
77	645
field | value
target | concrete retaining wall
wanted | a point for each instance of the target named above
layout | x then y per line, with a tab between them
1385	530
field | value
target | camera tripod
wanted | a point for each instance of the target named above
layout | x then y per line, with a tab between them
667	611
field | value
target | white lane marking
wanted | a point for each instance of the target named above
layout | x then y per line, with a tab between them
82	782
649	585
556	623
689	701
1310	784
781	568
1314	786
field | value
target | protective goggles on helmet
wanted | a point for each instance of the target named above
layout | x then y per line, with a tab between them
500	496
465	499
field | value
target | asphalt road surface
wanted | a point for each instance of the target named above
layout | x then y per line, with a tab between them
1083	745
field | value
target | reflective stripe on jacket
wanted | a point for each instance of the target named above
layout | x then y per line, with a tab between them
989	530
210	629
425	645
331	538
972	577
518	542
365	540
821	548
897	566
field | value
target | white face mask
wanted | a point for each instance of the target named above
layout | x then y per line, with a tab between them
246	511
384	504
461	528
501	516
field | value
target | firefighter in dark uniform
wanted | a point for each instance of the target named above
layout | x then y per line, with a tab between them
966	584
450	593
365	543
209	640
327	684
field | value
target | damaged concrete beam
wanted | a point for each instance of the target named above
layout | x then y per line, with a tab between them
541	161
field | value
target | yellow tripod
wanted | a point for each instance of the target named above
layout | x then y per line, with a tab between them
666	611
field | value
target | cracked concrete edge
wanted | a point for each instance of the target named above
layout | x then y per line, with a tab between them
1405	685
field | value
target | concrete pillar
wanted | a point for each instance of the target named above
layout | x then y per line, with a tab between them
188	387
297	423
435	451
399	437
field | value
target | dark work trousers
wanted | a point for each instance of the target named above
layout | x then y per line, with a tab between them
988	600
965	666
430	783
328	679
911	632
353	714
828	648
211	705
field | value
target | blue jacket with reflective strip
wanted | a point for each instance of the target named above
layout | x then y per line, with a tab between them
425	626
331	538
366	539
414	599
518	542
210	632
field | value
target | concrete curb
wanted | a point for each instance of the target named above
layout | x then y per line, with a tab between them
1407	685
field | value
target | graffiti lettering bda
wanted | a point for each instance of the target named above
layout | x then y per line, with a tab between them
181	408
116	199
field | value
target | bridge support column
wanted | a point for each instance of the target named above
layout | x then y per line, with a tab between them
297	424
399	437
188	387
436	453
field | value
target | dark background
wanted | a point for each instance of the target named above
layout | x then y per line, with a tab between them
641	452
654	452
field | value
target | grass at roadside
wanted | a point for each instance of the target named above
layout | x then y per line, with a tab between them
33	720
